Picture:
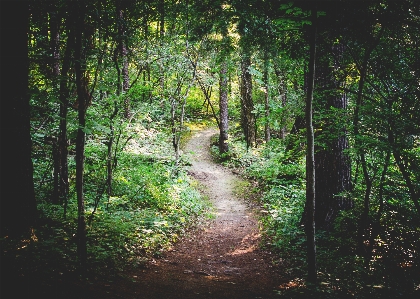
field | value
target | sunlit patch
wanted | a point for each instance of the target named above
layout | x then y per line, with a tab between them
294	283
248	244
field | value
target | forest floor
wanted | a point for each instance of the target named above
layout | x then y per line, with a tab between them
221	259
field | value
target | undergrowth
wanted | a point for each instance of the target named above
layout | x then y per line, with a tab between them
342	271
151	206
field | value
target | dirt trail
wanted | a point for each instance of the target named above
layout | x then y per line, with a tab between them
223	259
220	260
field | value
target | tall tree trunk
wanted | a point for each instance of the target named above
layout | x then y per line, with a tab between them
110	164
122	48
18	205
146	72
267	133
332	163
283	91
247	104
54	24
310	159
161	38
83	100
64	103
223	109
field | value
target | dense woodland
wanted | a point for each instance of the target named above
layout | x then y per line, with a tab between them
317	103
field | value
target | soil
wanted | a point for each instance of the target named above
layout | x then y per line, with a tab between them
219	259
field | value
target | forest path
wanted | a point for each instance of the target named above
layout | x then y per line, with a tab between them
221	259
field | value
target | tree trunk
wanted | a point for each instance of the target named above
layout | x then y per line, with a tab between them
54	24
332	163
55	21
223	109
110	163
310	160
247	104
161	38
267	133
64	103
122	48
18	205
83	100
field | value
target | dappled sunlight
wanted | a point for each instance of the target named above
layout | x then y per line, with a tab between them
248	244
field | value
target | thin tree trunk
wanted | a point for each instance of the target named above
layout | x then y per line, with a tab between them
83	99
283	91
207	95
54	23
161	38
62	138
364	221
247	105
310	160
223	109
55	40
122	49
267	133
109	154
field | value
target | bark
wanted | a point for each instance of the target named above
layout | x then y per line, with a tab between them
122	49
64	104
310	160
109	164
83	100
283	91
247	104
18	205
223	109
55	21
56	169
54	24
331	160
162	18
161	37
267	133
146	72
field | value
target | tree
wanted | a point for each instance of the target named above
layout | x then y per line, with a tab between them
223	108
332	161
18	205
247	103
122	50
310	157
82	38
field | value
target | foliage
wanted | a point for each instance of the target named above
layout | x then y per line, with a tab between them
148	211
342	268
